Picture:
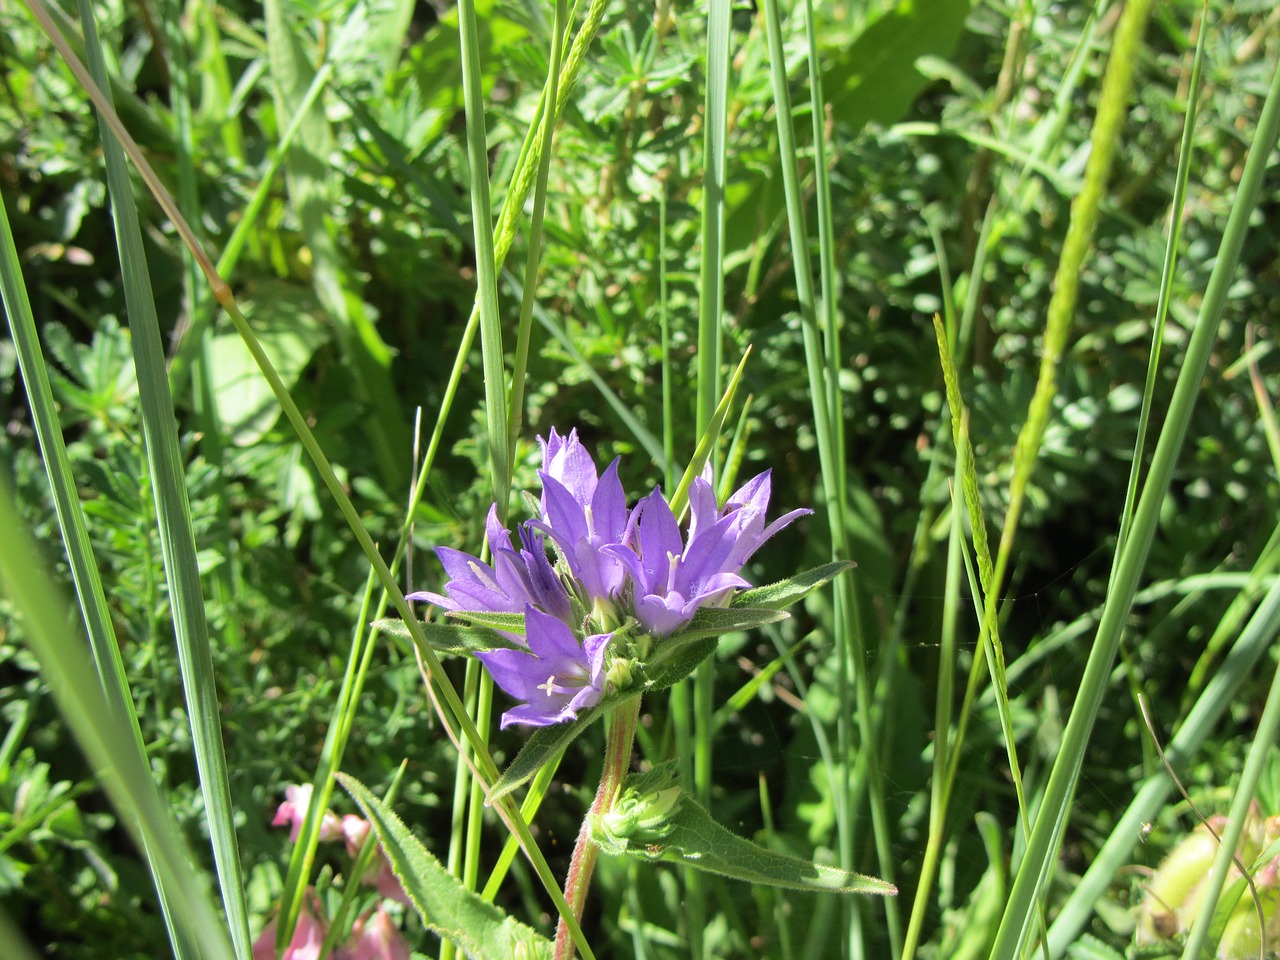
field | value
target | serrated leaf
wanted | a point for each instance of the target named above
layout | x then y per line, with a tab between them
446	907
452	639
717	621
776	596
546	743
654	825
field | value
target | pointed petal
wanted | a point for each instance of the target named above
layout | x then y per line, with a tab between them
609	506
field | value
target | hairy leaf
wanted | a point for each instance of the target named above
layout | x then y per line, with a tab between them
447	907
776	596
450	638
653	819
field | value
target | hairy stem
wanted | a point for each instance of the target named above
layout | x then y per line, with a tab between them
617	759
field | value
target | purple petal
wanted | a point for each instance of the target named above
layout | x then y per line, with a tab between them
562	512
609	507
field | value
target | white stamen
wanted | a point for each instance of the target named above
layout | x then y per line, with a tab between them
549	686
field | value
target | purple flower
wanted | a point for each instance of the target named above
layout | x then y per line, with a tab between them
583	513
672	579
516	578
557	677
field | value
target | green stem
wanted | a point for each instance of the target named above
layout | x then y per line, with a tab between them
617	759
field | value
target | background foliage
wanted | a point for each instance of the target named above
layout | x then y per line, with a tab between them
358	274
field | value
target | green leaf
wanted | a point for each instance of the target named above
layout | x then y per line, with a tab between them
448	638
776	596
875	78
653	819
545	745
447	907
286	319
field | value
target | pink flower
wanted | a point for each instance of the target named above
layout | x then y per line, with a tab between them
376	938
294	811
308	936
379	874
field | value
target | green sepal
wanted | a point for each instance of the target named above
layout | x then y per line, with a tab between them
653	819
546	743
446	907
450	638
776	596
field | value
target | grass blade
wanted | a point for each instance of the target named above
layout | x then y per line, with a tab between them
173	513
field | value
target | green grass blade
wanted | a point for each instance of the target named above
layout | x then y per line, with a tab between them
495	380
173	513
71	522
515	416
124	773
714	163
1054	812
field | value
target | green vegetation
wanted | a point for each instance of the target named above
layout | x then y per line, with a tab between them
1005	279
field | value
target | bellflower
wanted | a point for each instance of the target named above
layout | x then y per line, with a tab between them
583	512
516	577
557	677
674	576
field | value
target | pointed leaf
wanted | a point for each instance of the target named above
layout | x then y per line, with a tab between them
776	596
450	638
447	907
653	819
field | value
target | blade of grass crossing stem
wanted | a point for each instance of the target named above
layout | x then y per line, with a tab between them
173	513
71	522
1254	765
1239	666
495	381
307	438
123	772
1047	830
515	416
533	798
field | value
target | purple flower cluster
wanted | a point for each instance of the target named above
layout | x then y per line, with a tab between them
611	564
